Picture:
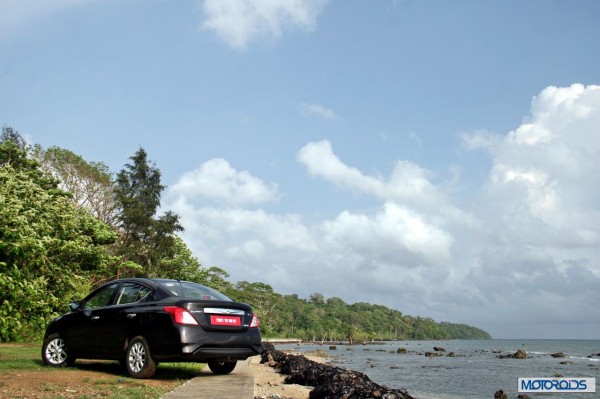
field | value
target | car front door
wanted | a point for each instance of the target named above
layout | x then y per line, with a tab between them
83	329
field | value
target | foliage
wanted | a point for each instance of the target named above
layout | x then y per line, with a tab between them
334	320
89	183
46	246
145	240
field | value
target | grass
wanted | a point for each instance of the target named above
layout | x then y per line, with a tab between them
107	378
20	357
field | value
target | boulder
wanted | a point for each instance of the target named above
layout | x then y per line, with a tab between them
557	354
500	394
520	354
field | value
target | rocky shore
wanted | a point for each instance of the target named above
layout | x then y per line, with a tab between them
326	381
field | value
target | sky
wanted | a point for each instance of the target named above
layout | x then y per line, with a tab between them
439	158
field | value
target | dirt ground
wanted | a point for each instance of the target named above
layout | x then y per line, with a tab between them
94	379
269	384
86	380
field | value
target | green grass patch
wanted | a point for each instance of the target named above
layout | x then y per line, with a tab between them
20	357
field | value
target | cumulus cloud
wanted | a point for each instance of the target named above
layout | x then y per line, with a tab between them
408	183
532	231
217	181
240	22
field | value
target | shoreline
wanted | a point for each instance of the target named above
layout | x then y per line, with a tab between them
295	376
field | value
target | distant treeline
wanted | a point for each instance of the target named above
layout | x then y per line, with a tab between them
67	225
320	319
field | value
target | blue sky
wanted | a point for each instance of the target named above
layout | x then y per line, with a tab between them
436	157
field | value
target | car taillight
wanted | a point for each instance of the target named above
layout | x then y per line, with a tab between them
180	315
254	321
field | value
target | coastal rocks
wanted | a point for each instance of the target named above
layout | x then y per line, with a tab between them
500	394
401	350
439	349
557	354
328	381
519	354
433	354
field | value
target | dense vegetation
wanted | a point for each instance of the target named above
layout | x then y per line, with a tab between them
67	225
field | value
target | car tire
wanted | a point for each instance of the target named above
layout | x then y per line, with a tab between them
55	352
221	367
138	359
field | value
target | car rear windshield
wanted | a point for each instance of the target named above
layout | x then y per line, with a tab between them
194	291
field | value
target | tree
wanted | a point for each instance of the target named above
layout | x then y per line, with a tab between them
263	300
49	249
145	240
10	134
90	183
182	264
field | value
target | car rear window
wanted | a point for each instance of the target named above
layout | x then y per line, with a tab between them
194	291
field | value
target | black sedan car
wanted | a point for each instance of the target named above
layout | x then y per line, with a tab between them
143	321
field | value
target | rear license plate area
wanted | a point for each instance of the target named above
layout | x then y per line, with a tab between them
221	320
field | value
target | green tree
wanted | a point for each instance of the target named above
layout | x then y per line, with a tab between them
263	300
182	264
145	239
48	247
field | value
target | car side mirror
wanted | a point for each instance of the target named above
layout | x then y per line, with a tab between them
74	306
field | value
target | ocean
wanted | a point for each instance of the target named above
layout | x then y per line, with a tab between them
474	372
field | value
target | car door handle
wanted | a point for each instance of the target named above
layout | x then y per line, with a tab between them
95	317
131	315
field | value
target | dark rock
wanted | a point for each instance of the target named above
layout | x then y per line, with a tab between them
500	395
557	354
519	354
333	348
432	354
328	381
566	362
523	396
401	350
451	354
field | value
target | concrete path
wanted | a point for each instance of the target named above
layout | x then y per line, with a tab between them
239	384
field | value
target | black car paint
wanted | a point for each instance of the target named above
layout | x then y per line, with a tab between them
104	333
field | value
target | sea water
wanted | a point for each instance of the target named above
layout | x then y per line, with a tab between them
474	372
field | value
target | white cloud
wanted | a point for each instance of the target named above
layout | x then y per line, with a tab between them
408	183
241	22
217	181
318	110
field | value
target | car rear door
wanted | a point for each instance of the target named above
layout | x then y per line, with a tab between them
114	321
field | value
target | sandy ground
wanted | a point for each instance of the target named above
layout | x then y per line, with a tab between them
268	383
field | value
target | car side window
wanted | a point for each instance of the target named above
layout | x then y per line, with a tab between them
132	292
101	298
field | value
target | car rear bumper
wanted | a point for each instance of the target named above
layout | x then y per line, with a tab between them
198	345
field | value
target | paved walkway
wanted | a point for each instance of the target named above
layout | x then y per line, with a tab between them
239	384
